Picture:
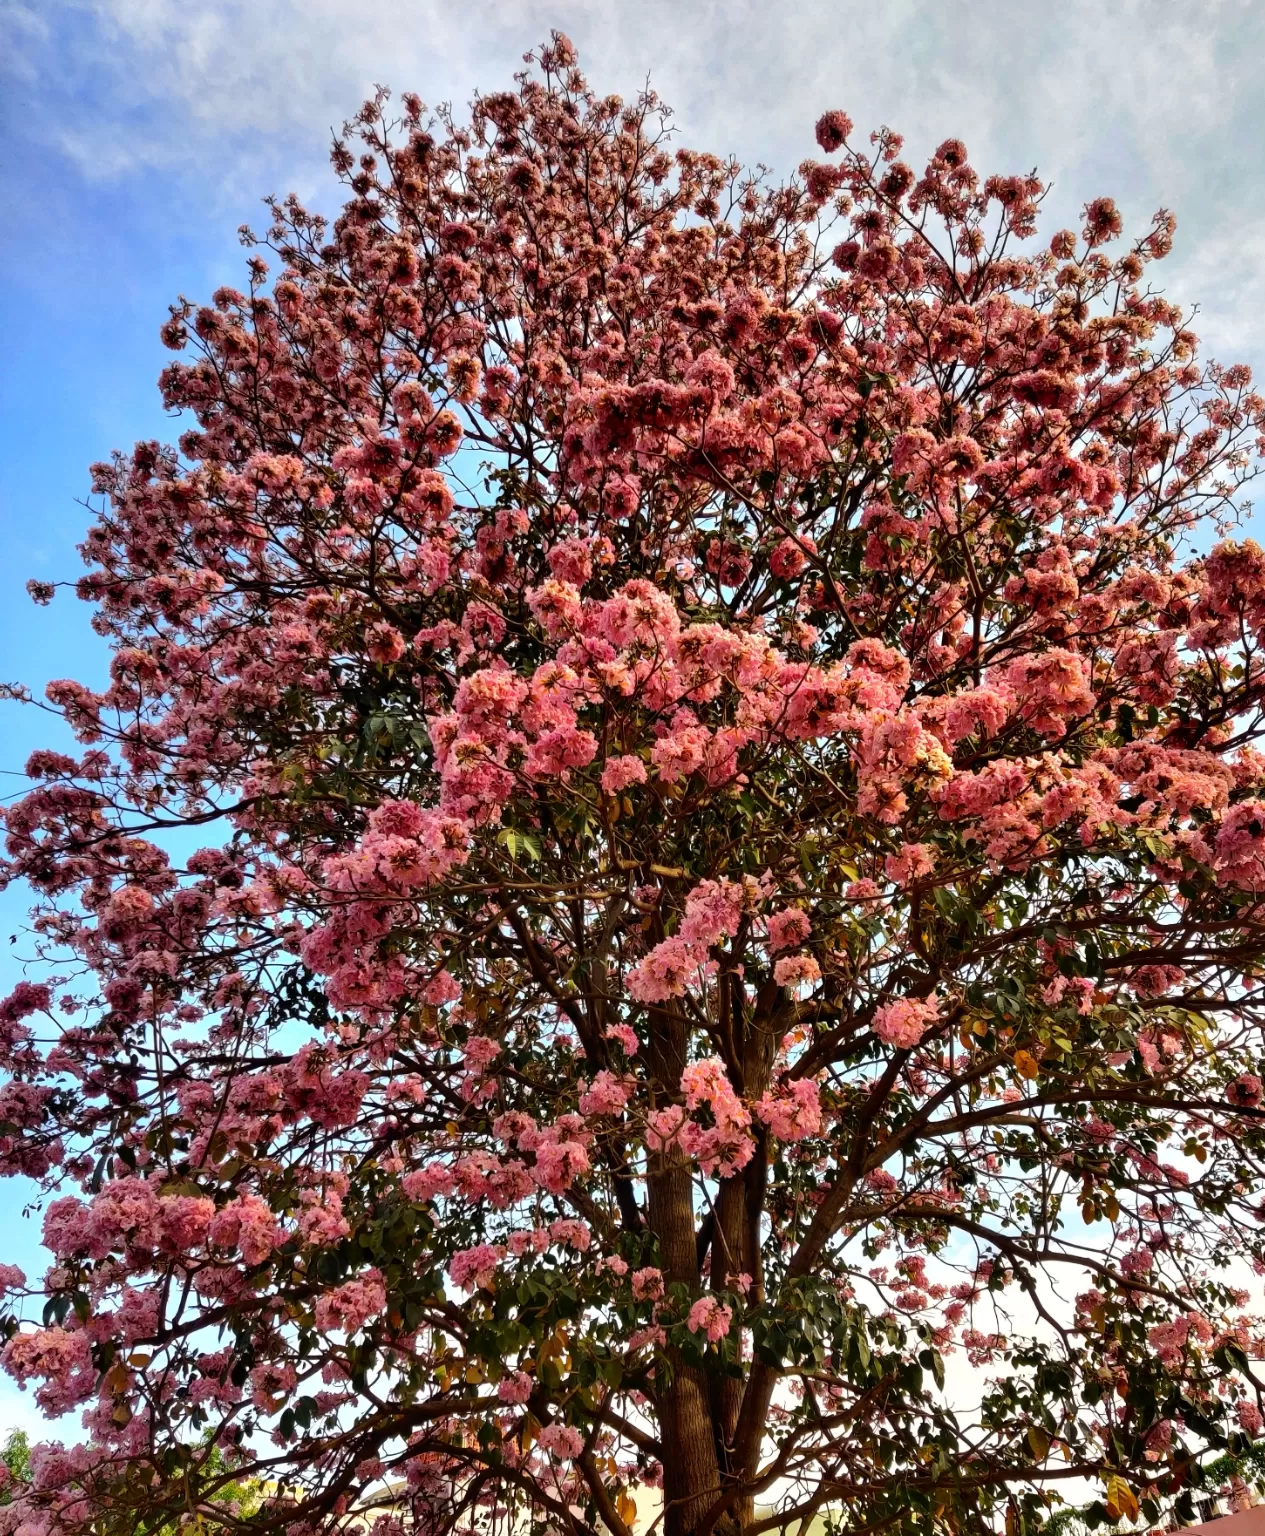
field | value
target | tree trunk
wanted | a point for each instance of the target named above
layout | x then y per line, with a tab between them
691	1474
731	1256
698	1416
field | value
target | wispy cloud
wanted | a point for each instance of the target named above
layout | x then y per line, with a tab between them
1154	101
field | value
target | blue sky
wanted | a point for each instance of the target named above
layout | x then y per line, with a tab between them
140	133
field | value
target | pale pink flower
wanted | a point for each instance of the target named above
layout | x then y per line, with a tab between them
794	971
384	643
709	1316
352	1305
792	1112
619	772
904	1022
473	1268
514	1388
647	1284
788	928
561	1440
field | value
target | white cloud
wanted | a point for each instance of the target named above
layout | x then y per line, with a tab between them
1155	102
1140	81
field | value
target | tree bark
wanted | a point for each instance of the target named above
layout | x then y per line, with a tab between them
735	1247
731	1246
691	1472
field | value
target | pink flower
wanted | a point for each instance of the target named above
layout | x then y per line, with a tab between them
1051	688
728	560
625	1036
640	1337
975	709
352	1305
63	1358
554	754
28	996
559	1164
708	1316
723	1149
713	910
795	971
789	558
665	971
572	561
557	607
425	1183
480	1053
322	1222
680	754
725	1145
663	1127
473	1268
904	1022
514	1388
913	861
707	1083
620	772
833	129
384	643
1156	980
270	1383
788	928
1240	845
647	1284
794	1112
571	1233
523	1243
606	1095
561	1440
248	1225
1246	1091
185	1221
441	988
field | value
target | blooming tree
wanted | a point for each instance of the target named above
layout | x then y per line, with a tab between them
673	848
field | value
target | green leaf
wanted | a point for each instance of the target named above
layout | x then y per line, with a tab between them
937	1368
517	843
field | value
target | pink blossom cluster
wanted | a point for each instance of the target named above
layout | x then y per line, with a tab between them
723	1146
349	1307
905	1021
710	1317
473	1268
793	1111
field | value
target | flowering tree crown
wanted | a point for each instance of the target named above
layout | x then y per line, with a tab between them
673	849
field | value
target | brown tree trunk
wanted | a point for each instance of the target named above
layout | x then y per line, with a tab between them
691	1474
698	1417
731	1250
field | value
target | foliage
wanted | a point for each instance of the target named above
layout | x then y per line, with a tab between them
672	856
15	1460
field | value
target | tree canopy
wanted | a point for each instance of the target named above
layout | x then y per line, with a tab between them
673	850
